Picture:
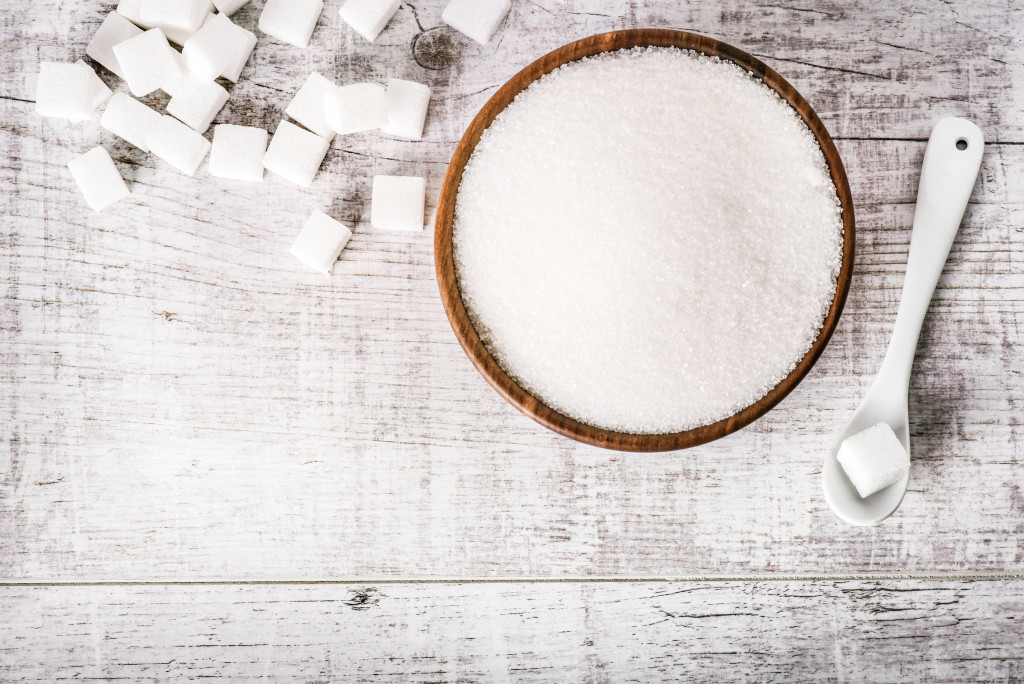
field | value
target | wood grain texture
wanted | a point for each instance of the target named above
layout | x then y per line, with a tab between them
763	631
444	262
180	399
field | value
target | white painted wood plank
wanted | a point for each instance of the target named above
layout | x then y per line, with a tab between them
768	631
181	399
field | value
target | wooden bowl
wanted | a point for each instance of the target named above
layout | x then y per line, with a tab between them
449	286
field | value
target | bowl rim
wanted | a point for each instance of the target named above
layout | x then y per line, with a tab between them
451	296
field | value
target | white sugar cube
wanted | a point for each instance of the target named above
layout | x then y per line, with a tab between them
196	102
174	83
148	62
132	11
114	29
100	90
238	152
177	144
295	154
187	15
307	107
219	48
69	91
407	108
478	19
291	21
228	7
98	178
176	35
356	107
873	459
397	202
368	17
320	242
130	120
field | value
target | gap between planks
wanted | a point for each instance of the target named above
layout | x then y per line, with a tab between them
791	577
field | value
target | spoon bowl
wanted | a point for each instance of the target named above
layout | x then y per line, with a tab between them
840	493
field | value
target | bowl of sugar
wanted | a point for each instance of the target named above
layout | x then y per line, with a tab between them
644	240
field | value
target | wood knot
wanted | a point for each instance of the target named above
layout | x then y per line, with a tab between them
437	48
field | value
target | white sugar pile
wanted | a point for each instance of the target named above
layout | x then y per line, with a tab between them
648	240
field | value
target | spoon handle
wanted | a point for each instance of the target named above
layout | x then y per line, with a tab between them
951	163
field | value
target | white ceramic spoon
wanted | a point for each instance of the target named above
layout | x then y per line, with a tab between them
951	163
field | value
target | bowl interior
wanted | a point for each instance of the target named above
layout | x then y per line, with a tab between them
445	265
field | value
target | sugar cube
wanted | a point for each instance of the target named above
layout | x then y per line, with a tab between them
175	82
132	11
295	154
320	242
129	119
177	144
69	90
307	107
100	90
406	104
187	15
114	29
478	19
291	21
176	35
219	48
228	7
98	178
197	102
238	152
397	202
873	459
356	107
148	62
368	17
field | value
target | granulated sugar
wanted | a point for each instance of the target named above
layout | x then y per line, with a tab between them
648	240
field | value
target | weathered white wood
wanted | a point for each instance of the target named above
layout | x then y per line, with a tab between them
180	399
765	631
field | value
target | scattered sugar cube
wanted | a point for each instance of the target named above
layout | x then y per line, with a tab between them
873	459
406	104
397	202
219	48
187	15
69	90
148	62
228	7
100	90
291	21
368	17
238	152
295	154
130	120
114	29
241	59
197	102
177	144
132	11
356	107
320	242
174	83
176	35
478	19
98	178
307	107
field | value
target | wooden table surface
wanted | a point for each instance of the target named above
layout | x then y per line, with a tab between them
216	463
